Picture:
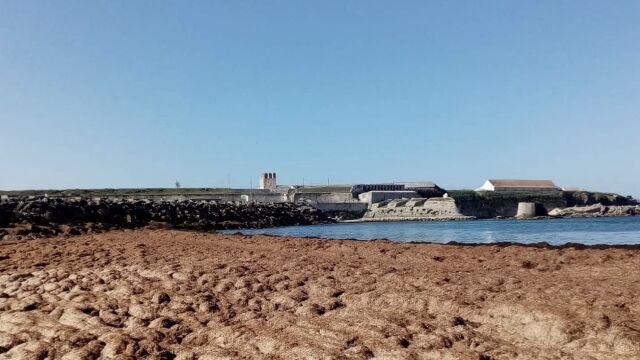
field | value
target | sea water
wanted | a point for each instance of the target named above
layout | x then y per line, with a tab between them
590	231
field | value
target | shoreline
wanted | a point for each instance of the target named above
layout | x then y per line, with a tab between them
537	245
471	218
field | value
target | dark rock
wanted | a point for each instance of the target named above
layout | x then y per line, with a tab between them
161	298
459	321
48	216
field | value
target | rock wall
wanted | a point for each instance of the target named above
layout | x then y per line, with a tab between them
415	209
52	216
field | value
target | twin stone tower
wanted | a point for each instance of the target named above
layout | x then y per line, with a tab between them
268	181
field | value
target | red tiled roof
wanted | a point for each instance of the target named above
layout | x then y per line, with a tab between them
546	184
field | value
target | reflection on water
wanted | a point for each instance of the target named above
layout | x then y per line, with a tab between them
610	230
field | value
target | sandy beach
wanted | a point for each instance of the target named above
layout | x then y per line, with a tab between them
174	294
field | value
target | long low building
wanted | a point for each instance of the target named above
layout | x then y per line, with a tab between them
504	185
423	188
363	188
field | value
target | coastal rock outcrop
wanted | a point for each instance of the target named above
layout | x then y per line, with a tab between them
595	211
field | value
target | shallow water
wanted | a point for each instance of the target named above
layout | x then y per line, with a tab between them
590	231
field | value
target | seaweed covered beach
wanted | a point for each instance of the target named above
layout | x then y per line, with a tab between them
166	294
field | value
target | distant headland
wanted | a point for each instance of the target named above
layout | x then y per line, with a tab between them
418	200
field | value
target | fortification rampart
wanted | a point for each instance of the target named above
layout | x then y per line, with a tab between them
414	209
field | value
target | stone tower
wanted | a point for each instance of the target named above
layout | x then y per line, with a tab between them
268	181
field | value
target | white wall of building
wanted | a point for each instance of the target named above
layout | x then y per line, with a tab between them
372	197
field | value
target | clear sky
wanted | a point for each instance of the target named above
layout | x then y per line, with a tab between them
144	93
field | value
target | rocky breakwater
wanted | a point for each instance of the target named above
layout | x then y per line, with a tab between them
415	209
32	218
596	210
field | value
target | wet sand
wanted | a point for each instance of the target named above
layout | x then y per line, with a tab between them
165	294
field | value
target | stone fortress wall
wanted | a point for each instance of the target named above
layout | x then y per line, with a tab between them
415	209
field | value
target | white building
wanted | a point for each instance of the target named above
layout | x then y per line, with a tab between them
504	185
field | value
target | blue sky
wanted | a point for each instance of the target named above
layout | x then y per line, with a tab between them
144	93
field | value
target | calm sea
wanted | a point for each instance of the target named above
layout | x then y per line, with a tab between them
610	230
